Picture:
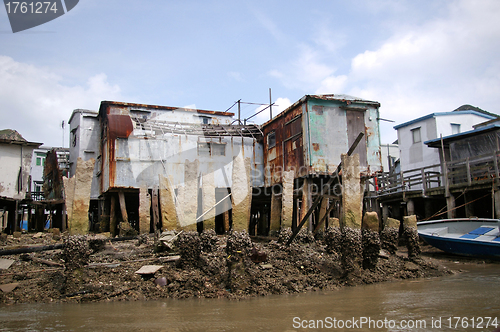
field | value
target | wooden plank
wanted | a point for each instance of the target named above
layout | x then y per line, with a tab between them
156	213
148	269
123	206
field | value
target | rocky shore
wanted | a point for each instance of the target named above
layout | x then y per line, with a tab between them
234	266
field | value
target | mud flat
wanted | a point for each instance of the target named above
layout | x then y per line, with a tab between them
234	266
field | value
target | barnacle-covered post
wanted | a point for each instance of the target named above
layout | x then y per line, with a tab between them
371	240
352	207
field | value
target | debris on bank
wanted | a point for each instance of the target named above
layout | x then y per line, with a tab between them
206	265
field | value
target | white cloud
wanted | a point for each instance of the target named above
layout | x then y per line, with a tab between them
428	65
435	67
305	71
34	101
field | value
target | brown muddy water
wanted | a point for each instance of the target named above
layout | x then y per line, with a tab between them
412	305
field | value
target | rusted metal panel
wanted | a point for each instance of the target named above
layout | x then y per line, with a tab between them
119	126
287	152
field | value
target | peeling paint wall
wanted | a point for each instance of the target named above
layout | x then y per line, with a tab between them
16	159
77	197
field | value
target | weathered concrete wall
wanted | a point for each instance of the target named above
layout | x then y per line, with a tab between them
275	213
14	157
352	197
241	192
209	200
78	201
287	199
167	204
144	210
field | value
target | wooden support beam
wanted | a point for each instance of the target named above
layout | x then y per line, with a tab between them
319	198
112	215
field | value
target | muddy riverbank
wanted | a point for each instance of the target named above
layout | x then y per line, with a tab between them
231	266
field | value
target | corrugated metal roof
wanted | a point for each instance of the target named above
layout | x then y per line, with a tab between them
344	98
334	97
437	141
11	136
432	115
159	107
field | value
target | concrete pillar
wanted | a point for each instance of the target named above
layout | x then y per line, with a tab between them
410	207
144	210
306	201
371	240
390	235
276	202
469	208
450	205
241	193
208	199
352	197
352	207
411	235
77	198
287	199
188	196
168	209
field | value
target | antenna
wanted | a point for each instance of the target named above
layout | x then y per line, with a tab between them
62	126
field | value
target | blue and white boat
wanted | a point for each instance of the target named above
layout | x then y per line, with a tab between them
469	237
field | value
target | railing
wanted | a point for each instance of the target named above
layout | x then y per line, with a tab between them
37	196
466	172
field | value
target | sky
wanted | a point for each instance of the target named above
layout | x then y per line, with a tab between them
413	57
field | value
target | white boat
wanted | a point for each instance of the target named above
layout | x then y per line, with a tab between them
470	237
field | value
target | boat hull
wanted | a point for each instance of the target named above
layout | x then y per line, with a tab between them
463	247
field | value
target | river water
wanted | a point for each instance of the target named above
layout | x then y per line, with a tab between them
411	305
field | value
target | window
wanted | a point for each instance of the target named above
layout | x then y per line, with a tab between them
211	149
271	140
40	159
205	119
415	133
455	128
